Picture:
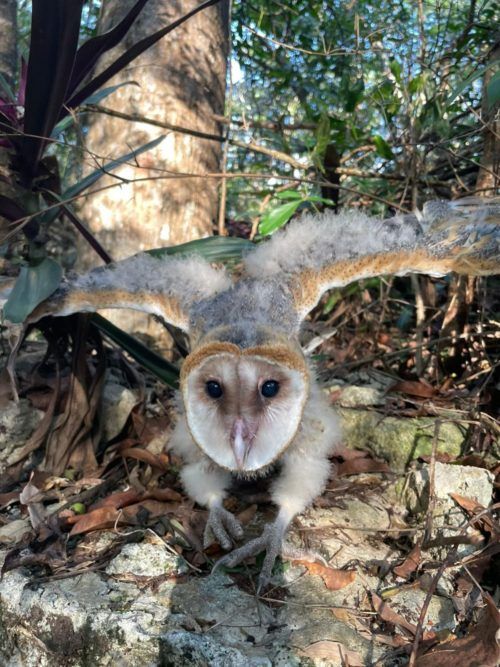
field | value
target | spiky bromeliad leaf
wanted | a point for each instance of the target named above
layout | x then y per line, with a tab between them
33	285
55	26
90	52
122	61
213	249
158	366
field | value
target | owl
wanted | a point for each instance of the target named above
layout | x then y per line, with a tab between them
250	404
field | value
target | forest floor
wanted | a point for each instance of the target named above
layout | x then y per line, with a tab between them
108	545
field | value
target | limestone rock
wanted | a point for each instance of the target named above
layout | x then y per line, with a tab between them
17	423
398	440
117	403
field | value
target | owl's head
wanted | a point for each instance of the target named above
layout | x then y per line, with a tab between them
244	406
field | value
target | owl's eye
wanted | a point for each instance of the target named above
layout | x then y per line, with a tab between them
270	388
214	390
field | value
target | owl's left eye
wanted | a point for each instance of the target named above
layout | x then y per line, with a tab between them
270	388
214	389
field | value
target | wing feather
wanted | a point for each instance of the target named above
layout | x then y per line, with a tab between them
317	253
165	286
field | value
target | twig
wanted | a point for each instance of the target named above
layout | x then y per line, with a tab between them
432	491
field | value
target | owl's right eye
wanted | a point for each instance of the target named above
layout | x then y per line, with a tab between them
214	390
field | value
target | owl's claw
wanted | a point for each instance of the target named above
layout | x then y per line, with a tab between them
271	541
223	527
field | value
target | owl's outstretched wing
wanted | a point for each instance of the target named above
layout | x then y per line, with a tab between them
166	286
316	253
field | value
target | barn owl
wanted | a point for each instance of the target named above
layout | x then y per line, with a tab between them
250	403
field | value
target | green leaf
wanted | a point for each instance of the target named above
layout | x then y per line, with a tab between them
322	134
213	248
160	367
33	285
89	180
354	95
277	217
383	148
318	200
289	194
493	90
396	70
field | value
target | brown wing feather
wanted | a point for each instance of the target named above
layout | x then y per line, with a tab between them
166	286
317	253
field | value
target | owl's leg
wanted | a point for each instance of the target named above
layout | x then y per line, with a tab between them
207	485
301	480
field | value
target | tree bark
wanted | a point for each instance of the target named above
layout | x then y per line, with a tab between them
8	40
488	179
181	80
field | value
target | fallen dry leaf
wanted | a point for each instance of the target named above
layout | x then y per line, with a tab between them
247	515
472	507
146	457
165	494
410	563
479	648
104	517
332	651
36	510
334	579
117	500
389	615
154	509
419	388
360	465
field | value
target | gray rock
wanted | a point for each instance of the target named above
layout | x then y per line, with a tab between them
117	404
448	517
17	423
398	440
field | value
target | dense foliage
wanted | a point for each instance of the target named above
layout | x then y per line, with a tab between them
387	95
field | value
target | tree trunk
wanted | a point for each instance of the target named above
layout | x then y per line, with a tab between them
8	64
181	80
488	179
8	40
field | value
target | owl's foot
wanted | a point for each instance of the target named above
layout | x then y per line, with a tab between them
272	542
223	527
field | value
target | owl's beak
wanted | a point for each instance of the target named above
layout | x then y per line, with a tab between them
241	441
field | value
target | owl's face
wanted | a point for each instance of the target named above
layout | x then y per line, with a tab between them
244	410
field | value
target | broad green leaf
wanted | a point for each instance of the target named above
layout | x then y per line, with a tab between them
493	90
289	194
89	180
213	248
318	200
383	148
33	285
160	367
277	217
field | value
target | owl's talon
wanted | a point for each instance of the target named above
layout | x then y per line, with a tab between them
271	541
223	527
